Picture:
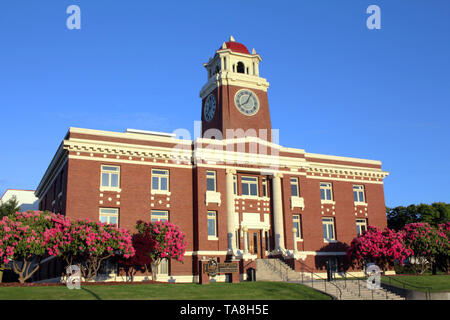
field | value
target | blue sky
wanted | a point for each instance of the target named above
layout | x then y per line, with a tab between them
336	87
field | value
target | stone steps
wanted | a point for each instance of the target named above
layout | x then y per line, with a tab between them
277	270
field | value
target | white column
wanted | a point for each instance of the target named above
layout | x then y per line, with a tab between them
245	229
294	235
278	211
230	210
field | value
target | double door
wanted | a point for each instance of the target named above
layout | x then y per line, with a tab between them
254	242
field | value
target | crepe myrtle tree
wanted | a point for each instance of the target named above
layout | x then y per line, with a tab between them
168	241
143	244
22	243
443	258
427	243
87	244
383	248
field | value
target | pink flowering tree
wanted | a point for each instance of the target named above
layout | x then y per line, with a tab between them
427	243
141	261
22	242
383	248
87	244
444	255
168	241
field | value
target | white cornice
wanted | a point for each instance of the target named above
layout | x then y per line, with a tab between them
234	79
129	135
339	158
201	151
52	170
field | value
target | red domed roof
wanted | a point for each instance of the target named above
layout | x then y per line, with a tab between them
235	47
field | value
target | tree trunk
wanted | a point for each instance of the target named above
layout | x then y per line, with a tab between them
433	268
155	265
2	268
24	273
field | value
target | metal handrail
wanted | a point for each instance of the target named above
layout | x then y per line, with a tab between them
427	292
318	276
359	284
357	279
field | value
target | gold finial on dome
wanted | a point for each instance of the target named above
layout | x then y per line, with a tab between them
232	39
224	45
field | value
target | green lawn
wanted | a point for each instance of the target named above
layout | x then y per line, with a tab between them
438	283
213	291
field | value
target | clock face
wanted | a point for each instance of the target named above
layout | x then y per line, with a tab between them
246	102
210	107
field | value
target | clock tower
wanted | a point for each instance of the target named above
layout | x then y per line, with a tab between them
235	96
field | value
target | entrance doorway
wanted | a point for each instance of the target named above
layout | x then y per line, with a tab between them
254	242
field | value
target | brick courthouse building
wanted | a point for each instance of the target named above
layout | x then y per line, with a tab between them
240	196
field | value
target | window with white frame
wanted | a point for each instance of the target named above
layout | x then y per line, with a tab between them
264	187
361	226
249	186
210	180
163	267
326	191
328	229
160	180
297	223
110	176
294	187
109	215
159	215
212	224
358	194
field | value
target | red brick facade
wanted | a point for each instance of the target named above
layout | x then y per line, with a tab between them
72	186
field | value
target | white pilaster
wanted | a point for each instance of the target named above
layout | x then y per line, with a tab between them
230	210
278	211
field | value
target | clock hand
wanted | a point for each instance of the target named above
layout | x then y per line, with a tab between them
247	100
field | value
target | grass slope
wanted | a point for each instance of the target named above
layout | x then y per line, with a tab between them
213	291
438	283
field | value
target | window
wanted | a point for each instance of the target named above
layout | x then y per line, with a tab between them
249	186
236	235
163	267
160	180
110	176
159	215
294	187
235	184
240	67
326	191
328	229
297	223
361	226
109	215
211	180
264	187
212	224
358	194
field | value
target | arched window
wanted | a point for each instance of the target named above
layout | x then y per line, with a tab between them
240	67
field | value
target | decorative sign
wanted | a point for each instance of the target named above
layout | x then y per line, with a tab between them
212	268
228	267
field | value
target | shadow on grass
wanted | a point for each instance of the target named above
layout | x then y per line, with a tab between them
92	293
